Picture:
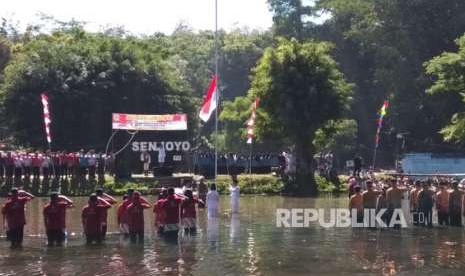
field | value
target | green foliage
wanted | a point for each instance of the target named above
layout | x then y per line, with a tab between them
254	184
338	137
448	70
300	89
87	78
121	188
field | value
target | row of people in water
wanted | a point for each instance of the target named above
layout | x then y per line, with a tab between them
173	212
423	196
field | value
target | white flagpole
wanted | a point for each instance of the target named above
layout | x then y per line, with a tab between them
217	91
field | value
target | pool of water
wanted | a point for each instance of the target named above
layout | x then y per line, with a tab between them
247	244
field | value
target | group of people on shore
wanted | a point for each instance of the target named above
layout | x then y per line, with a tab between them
21	165
444	195
173	212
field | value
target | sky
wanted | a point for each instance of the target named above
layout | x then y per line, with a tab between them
143	16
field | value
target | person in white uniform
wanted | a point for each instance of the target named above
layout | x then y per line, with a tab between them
161	156
213	201
235	195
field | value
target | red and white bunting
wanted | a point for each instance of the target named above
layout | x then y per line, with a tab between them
47	119
251	122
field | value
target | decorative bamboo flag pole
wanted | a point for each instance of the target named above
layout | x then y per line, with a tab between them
47	122
382	113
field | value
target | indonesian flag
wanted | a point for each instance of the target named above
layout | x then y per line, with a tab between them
47	120
210	102
251	122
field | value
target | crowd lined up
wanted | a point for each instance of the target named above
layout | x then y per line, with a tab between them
40	171
173	212
444	195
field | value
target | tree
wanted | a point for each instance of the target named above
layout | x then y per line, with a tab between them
289	18
87	77
300	88
448	70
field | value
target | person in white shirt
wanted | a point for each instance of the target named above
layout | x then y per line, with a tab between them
235	195
146	160
161	156
213	201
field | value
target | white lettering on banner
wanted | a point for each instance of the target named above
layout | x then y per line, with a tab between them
135	146
155	146
169	146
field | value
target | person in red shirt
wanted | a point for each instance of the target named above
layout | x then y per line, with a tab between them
14	212
55	218
135	212
106	199
160	214
123	214
36	163
171	205
92	219
188	212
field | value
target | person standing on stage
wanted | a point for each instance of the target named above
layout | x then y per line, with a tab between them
161	156
55	218
146	160
14	212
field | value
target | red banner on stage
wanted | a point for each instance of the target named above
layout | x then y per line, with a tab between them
149	122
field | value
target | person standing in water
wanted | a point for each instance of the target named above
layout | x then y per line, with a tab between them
425	205
235	195
135	212
104	198
13	212
394	199
413	196
160	214
356	202
442	204
370	197
55	218
213	201
92	222
189	213
171	206
456	203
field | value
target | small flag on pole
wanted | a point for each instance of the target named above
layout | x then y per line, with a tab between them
251	122
47	119
210	102
382	113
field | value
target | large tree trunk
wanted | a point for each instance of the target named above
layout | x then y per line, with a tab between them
304	178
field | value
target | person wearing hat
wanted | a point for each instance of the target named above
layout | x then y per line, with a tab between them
13	212
425	205
55	218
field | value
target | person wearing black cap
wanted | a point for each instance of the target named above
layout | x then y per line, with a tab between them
55	218
456	202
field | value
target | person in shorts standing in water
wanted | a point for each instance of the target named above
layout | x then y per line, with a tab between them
14	212
55	218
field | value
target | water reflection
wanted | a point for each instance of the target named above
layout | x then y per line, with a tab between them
251	245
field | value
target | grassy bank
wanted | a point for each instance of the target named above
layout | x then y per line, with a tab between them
249	184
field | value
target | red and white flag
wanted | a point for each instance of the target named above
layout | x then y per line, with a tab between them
251	122
47	119
210	102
